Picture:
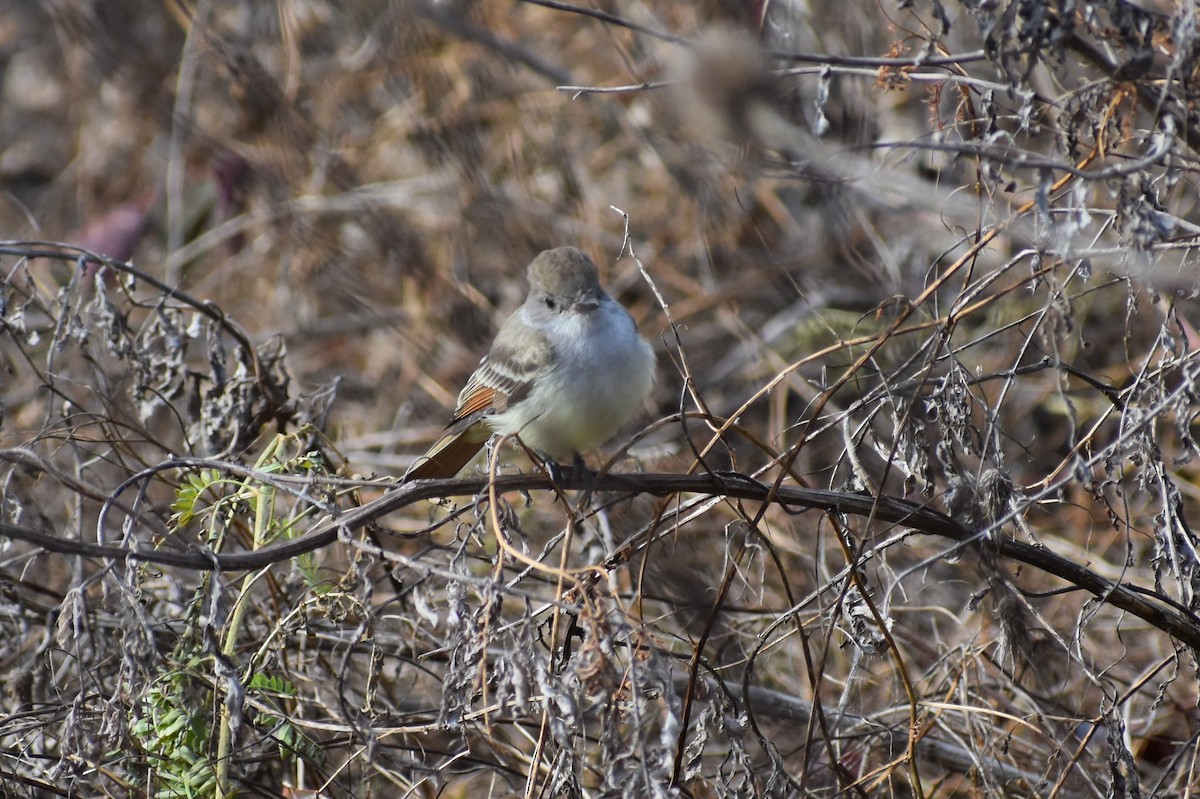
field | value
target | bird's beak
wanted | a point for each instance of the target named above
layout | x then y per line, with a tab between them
588	303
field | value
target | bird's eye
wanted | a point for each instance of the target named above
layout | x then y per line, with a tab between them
549	302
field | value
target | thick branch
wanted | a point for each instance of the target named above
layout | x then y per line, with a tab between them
1150	607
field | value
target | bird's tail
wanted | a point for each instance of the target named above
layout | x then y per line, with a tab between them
450	453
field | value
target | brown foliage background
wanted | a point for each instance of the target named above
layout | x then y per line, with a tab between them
934	258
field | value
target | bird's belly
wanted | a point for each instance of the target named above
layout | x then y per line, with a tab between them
587	405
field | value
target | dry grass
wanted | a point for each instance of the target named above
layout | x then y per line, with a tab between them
973	293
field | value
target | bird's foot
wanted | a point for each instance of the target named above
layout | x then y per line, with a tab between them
577	474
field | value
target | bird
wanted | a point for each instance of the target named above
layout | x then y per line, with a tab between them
566	370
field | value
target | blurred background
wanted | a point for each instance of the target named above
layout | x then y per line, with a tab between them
939	251
368	182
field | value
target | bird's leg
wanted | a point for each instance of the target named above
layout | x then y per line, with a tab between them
579	471
554	469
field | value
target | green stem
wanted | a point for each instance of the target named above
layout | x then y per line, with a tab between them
264	502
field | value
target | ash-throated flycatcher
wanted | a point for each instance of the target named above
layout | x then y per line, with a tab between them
565	371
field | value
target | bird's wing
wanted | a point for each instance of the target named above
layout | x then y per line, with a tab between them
505	374
503	377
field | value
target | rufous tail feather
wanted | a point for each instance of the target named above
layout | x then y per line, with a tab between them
447	456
